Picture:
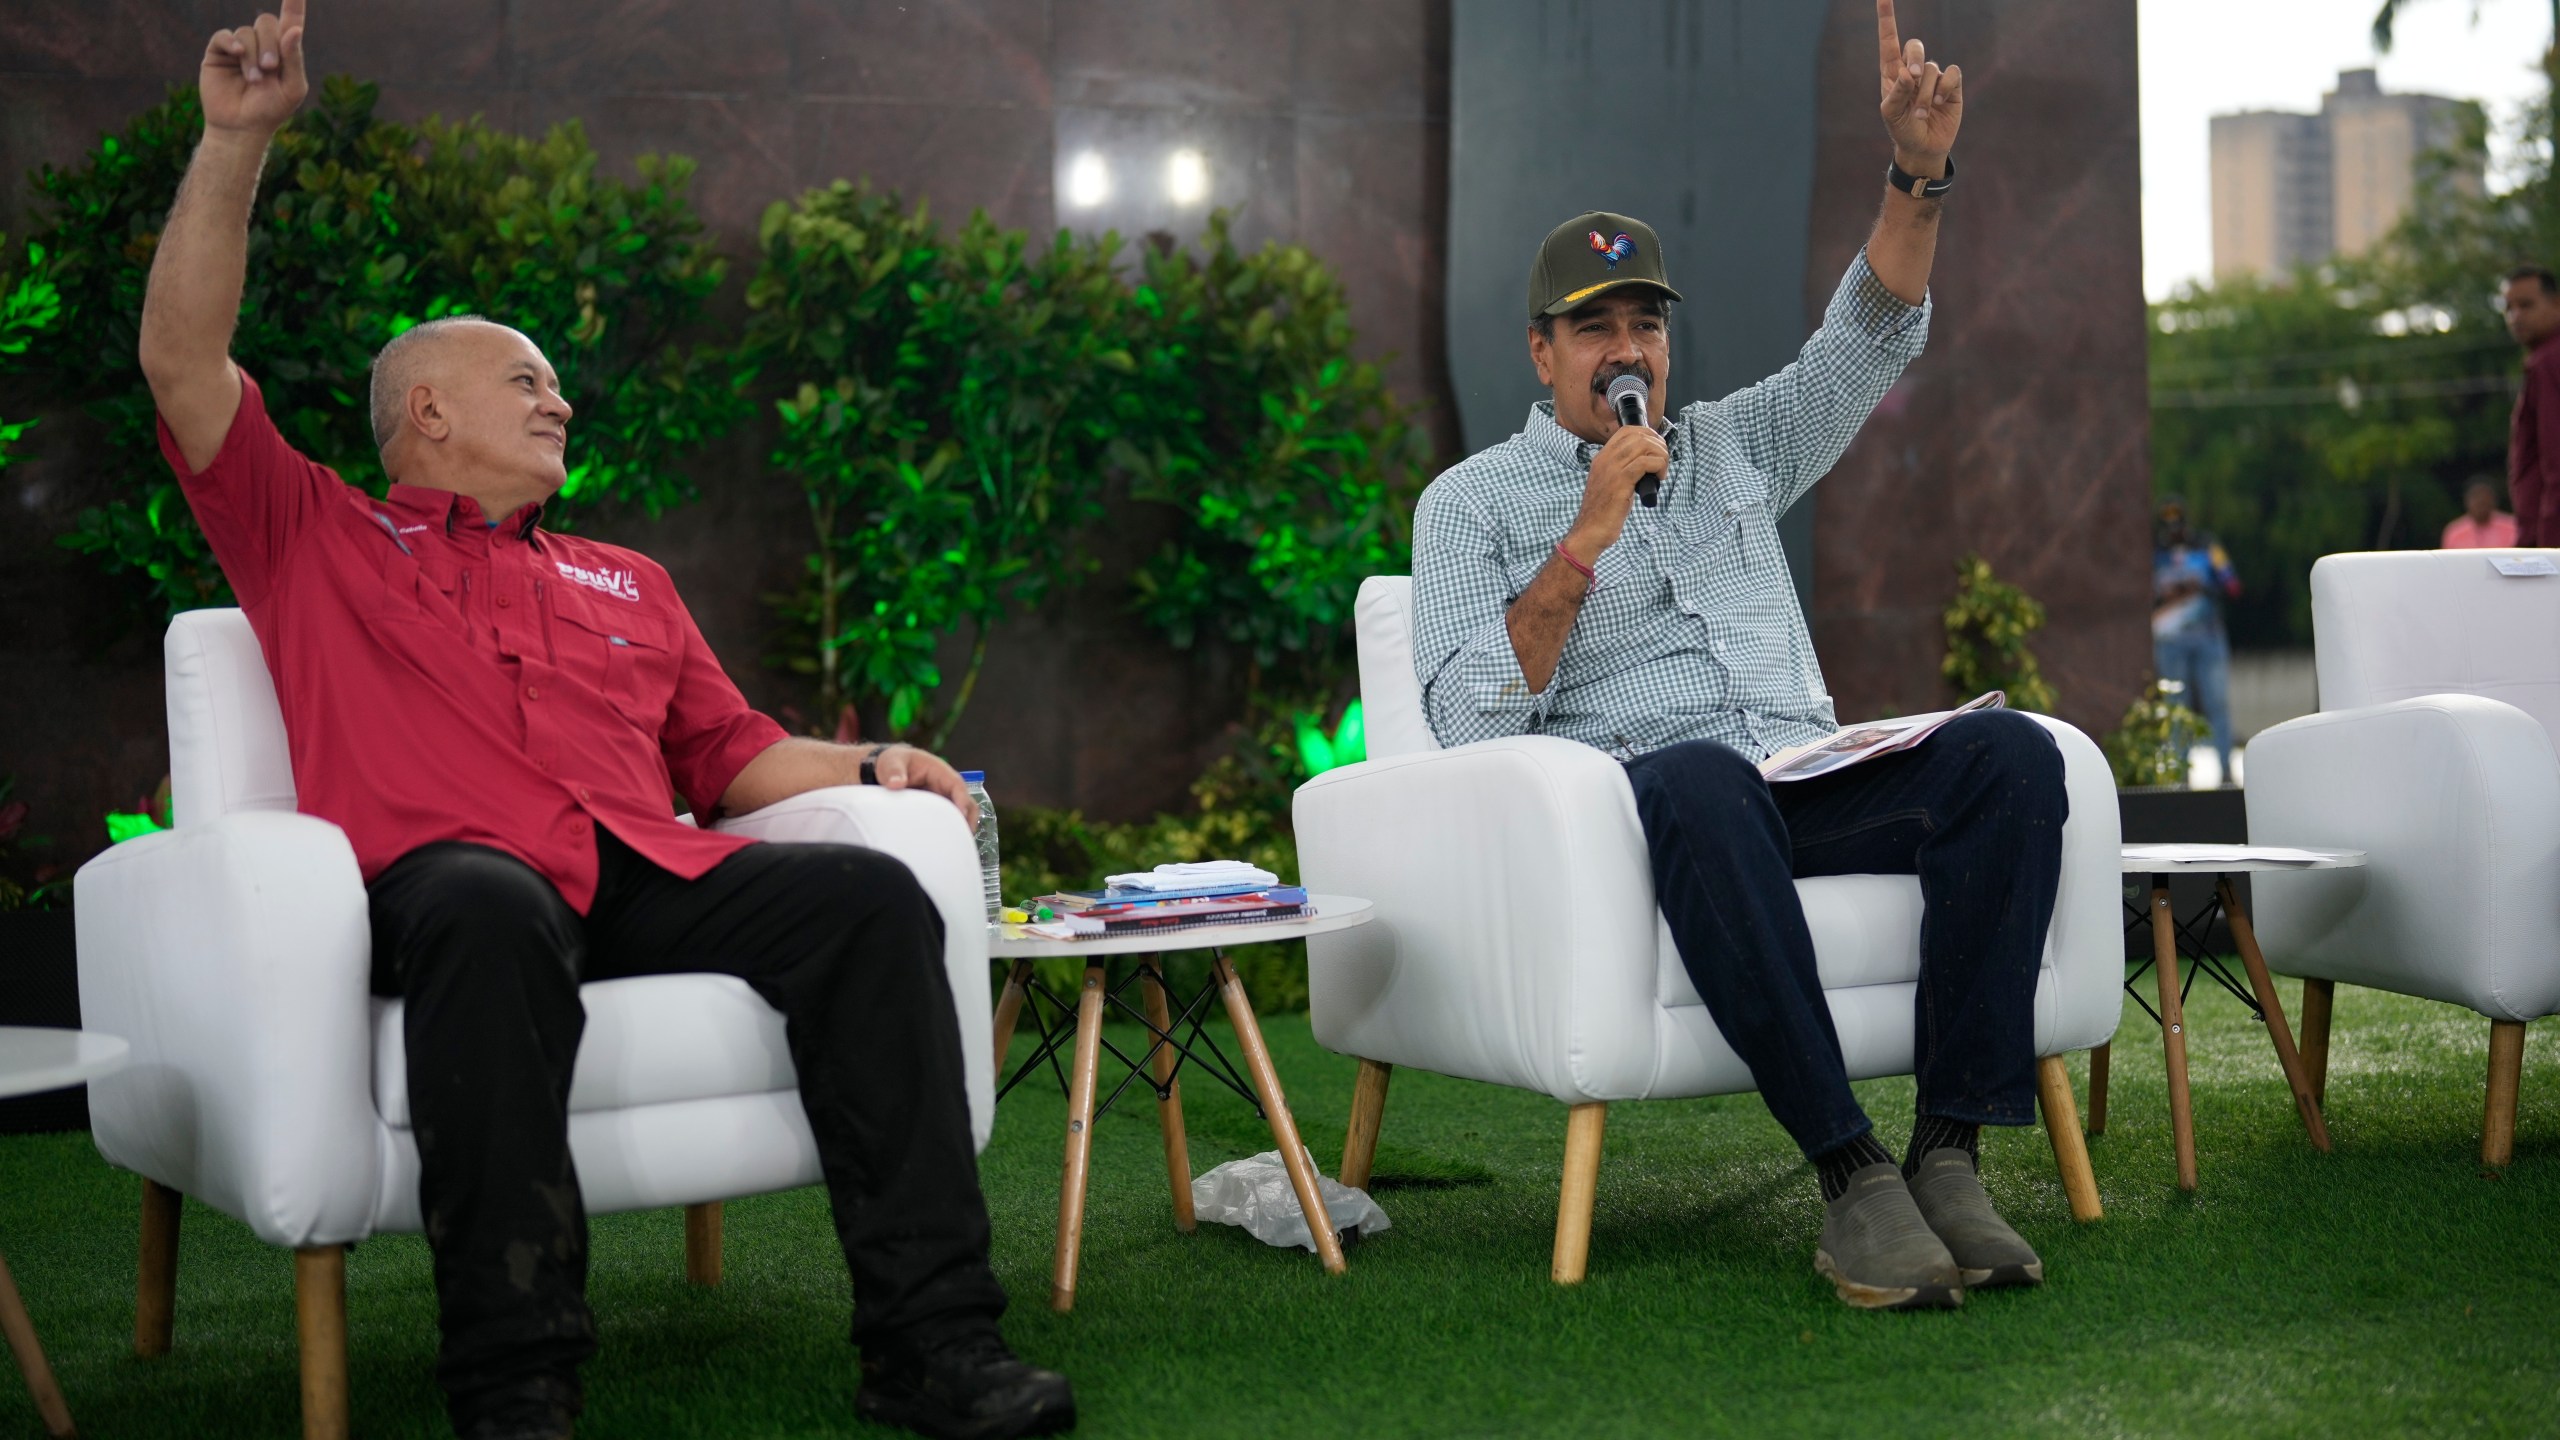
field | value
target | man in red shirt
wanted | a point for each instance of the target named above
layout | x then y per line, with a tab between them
500	718
2533	436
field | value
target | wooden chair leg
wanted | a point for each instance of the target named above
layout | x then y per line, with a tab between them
1275	1108
155	1292
2070	1148
1583	1128
2098	1088
1177	1145
1368	1111
1017	983
2506	1076
21	1332
320	1315
2173	1032
2318	999
702	1243
1079	1157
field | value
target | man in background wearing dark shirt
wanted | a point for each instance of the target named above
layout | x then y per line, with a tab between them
2533	437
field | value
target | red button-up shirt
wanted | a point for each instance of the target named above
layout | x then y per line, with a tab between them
444	679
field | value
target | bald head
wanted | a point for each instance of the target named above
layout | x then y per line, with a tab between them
410	360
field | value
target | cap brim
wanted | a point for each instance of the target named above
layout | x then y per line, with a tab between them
1571	298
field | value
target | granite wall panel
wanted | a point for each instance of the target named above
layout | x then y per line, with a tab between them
2023	433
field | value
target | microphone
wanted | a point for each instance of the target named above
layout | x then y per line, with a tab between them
1627	395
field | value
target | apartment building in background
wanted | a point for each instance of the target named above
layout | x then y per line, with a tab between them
2293	189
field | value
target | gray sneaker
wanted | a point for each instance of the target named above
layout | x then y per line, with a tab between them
1879	1253
1952	1200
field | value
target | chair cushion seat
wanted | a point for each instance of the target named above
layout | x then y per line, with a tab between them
649	1040
1866	931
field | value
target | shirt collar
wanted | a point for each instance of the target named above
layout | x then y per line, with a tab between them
451	509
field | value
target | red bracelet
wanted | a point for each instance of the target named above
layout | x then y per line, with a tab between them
1588	574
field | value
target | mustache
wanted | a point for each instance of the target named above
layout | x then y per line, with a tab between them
1640	369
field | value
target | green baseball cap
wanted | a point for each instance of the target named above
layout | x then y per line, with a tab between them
1590	255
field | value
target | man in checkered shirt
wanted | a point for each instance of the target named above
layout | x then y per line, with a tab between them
1547	600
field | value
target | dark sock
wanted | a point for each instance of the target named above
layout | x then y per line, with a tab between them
1931	1132
1835	1166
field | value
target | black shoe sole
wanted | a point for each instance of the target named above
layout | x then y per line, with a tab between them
1043	1417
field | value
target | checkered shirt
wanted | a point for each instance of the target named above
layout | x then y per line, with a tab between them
1693	630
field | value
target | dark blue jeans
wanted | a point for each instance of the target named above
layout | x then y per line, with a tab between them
1975	811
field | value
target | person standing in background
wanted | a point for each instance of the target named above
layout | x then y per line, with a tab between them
2533	437
2481	525
2190	578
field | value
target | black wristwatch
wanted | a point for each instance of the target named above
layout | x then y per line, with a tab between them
871	764
1916	187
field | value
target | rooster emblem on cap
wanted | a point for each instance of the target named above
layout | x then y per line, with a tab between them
1613	251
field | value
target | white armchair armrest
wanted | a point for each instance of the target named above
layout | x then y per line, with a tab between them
234	956
2456	800
923	830
1515	909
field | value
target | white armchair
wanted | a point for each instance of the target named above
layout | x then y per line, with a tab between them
234	953
1517	940
2432	753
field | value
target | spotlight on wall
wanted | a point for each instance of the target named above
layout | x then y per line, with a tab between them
1186	177
1088	181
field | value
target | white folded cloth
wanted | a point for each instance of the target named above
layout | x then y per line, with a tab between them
1193	875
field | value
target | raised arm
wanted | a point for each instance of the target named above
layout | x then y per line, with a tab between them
1923	106
252	80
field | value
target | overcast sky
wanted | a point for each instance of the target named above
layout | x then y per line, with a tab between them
2202	58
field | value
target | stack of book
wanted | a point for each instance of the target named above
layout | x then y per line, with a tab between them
1170	897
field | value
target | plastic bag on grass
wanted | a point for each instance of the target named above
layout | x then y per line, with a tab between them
1257	1195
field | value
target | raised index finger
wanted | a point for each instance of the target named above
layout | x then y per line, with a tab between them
1888	41
291	15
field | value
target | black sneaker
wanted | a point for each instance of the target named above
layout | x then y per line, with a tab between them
969	1387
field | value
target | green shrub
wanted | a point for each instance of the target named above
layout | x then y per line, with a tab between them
362	228
944	404
1987	624
30	306
2150	747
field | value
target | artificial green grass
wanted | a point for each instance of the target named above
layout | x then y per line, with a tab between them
2389	1288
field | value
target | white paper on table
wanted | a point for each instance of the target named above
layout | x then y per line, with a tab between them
2204	854
2513	566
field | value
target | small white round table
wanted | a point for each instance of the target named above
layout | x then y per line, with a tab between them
1167	1052
33	1060
2170	937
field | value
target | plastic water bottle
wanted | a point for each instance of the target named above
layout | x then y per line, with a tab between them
990	863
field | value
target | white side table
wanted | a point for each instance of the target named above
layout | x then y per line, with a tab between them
2170	936
33	1060
1167	1052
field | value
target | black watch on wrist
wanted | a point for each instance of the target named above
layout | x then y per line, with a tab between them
870	764
1915	186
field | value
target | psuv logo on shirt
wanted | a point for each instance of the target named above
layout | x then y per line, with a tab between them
616	583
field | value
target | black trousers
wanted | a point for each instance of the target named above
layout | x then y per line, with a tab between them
1976	811
488	957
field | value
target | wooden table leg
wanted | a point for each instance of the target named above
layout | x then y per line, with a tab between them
1062	1284
2173	1029
2098	1087
1177	1146
2296	1078
31	1362
1284	1129
1017	982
